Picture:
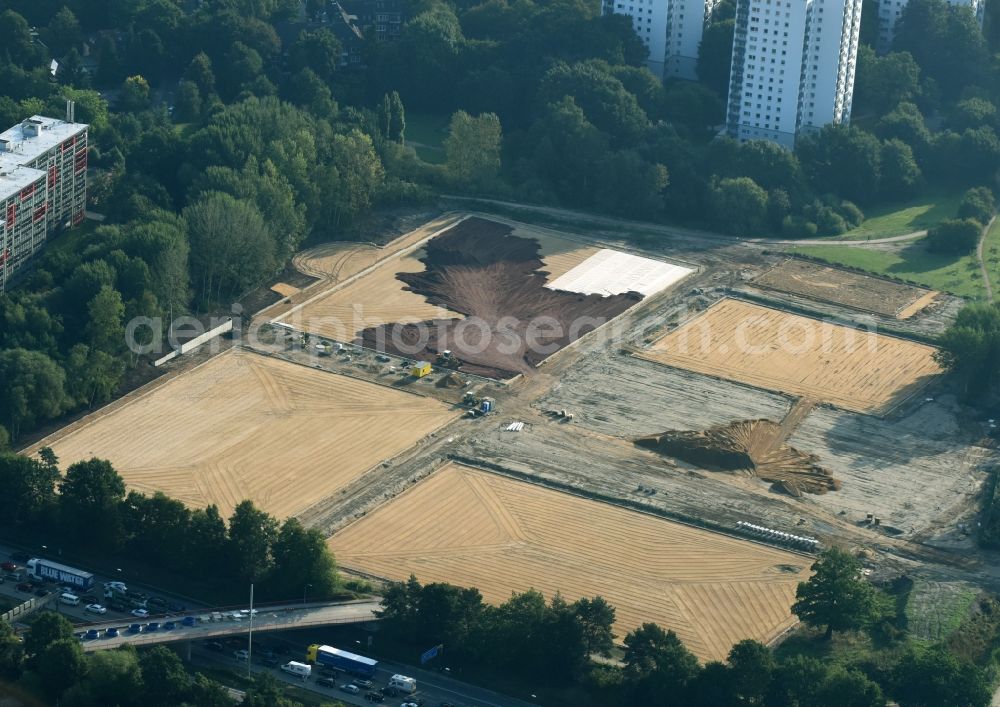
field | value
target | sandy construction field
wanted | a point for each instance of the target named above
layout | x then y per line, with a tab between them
852	369
478	529
245	425
871	294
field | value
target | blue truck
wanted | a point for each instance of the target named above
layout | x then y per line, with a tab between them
53	571
342	660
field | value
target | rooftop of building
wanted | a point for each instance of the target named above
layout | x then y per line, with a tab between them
14	178
33	137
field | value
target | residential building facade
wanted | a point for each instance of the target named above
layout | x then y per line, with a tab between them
43	186
670	29
793	67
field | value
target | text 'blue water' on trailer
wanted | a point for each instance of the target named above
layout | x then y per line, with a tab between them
342	660
43	569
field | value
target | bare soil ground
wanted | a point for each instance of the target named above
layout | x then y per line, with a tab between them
248	426
479	529
847	288
856	370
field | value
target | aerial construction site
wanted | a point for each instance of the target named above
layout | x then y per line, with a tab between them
674	421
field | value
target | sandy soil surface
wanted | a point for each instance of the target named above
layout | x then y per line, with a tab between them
915	471
855	370
847	288
478	529
244	425
511	322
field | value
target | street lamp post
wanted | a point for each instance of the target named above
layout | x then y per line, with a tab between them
304	590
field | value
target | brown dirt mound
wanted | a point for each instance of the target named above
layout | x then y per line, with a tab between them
452	380
478	268
748	445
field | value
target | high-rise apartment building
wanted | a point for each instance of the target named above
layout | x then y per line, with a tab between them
793	67
670	29
43	185
889	12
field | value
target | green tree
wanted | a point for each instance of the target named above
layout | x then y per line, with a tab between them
739	206
355	177
319	50
16	40
63	32
715	55
306	89
472	149
207	542
90	496
901	177
836	596
106	324
634	186
134	94
304	560
883	82
972	112
29	488
934	676
33	389
978	203
61	665
11	653
154	525
92	376
109	673
751	668
596	616
164	678
954	236
567	151
252	534
849	688
199	72
657	665
843	159
205	692
47	628
945	41
187	102
906	123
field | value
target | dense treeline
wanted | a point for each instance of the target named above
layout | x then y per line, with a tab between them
553	643
89	510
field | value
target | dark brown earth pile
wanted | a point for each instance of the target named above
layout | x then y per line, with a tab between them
750	445
512	322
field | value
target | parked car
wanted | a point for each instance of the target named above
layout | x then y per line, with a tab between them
350	689
241	655
95	609
215	646
111	633
326	682
93	633
362	682
153	626
140	613
169	626
25	587
8	566
135	628
375	697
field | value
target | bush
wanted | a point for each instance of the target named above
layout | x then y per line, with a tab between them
979	204
956	236
794	226
829	222
849	211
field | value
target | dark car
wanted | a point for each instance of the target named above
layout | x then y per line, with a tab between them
8	566
153	626
329	672
135	628
111	633
20	556
25	587
169	626
189	621
215	646
375	697
389	691
89	599
326	682
156	603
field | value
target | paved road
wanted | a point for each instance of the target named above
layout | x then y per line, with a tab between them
276	618
432	687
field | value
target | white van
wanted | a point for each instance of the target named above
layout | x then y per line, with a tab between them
70	599
403	683
299	670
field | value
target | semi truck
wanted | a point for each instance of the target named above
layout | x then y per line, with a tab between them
44	569
342	660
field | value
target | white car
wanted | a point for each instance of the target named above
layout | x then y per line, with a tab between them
141	613
350	689
116	586
95	609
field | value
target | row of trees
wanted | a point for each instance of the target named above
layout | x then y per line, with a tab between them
88	509
554	642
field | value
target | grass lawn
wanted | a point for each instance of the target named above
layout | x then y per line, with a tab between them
897	219
936	610
429	130
991	257
910	261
